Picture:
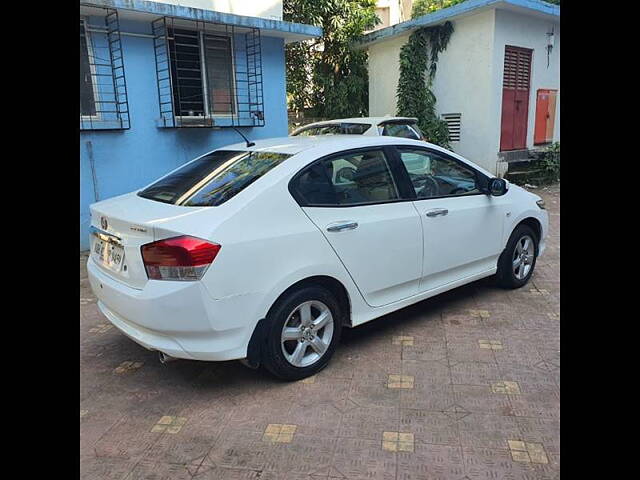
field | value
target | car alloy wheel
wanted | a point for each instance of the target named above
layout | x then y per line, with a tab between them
307	333
523	256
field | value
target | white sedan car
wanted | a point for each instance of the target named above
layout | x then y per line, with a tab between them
404	127
265	253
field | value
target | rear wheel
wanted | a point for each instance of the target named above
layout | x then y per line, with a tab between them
303	331
517	261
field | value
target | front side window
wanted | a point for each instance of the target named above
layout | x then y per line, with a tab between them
335	129
403	130
212	179
201	73
351	179
434	175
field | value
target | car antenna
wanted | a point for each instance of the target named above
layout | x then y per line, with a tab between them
249	144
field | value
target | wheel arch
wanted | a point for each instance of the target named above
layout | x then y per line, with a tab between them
332	284
335	286
532	223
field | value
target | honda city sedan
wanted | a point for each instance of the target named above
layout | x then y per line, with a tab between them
265	253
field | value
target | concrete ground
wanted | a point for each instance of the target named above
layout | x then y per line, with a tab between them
464	386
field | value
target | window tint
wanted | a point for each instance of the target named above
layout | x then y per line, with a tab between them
213	179
357	178
404	130
434	175
336	129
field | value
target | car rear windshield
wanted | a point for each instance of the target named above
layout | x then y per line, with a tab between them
336	129
213	179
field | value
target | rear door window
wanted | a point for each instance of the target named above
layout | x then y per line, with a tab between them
212	179
403	130
356	178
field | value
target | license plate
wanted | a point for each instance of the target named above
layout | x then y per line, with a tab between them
108	254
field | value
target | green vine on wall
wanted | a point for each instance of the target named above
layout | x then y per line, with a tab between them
418	65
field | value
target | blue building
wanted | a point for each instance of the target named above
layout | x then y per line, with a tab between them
162	83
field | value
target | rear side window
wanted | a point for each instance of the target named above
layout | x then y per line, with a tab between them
336	129
403	130
357	178
213	179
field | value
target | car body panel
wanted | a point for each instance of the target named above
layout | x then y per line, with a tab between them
373	123
270	243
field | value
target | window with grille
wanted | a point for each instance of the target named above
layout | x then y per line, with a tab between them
201	73
103	89
454	123
209	75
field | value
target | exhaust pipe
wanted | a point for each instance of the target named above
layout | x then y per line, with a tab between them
164	358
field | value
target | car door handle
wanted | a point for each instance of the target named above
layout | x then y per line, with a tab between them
437	211
339	227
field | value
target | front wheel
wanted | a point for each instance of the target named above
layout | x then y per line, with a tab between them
517	261
304	329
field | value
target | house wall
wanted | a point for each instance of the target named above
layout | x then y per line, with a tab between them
271	9
463	85
528	32
117	162
384	73
469	78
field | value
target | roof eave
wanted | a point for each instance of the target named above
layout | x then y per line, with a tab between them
290	32
461	9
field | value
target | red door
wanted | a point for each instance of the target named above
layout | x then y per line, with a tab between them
515	98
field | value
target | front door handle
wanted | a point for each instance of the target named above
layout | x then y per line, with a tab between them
437	211
341	226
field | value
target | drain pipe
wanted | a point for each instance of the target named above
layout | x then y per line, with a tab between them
164	358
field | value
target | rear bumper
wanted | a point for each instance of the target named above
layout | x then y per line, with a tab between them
180	319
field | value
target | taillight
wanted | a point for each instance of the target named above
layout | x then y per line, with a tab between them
178	258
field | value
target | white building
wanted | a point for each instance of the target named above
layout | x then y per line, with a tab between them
497	83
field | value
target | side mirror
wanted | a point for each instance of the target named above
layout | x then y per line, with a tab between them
497	187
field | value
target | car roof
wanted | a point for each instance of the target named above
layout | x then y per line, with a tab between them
294	145
371	120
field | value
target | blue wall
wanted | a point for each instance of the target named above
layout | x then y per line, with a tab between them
129	159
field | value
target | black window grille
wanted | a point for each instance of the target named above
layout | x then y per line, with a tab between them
209	75
103	88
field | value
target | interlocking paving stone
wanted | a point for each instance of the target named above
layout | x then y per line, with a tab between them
448	345
430	427
431	462
403	340
527	452
280	433
506	387
363	460
397	441
169	424
400	381
490	344
487	431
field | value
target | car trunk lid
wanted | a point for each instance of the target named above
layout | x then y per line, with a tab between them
121	225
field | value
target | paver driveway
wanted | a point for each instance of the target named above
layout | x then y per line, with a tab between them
462	386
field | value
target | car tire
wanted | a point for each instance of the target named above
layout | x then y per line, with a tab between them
512	264
281	351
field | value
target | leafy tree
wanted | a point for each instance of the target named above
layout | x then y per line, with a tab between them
325	75
422	7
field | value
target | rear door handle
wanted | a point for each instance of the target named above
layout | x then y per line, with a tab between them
341	226
437	211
